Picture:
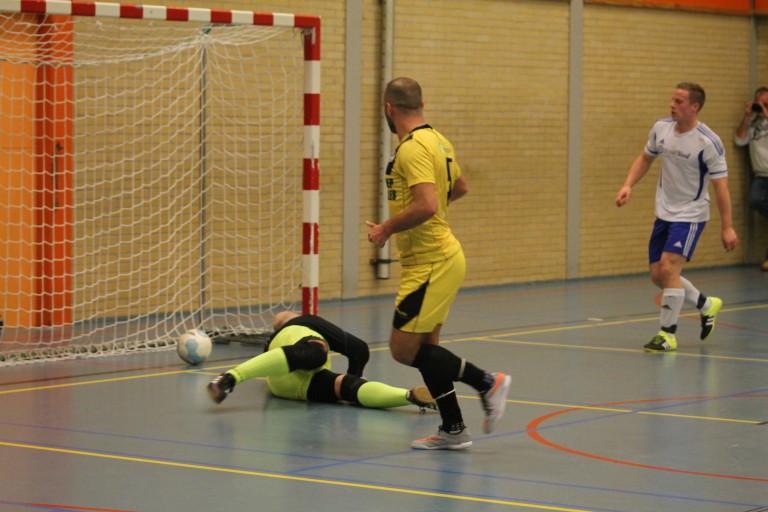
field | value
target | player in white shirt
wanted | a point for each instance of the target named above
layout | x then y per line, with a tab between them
692	155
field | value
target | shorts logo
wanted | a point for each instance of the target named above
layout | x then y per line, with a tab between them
409	307
678	245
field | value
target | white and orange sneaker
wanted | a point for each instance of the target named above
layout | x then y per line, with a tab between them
494	401
443	440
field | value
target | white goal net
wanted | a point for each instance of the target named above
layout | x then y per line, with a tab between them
151	178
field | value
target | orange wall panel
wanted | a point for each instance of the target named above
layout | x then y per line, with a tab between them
35	174
721	6
17	183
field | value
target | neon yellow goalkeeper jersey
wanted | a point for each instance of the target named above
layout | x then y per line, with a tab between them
423	156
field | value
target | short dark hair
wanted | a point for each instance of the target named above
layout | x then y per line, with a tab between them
761	90
403	93
695	92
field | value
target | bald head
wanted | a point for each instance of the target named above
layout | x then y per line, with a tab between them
403	93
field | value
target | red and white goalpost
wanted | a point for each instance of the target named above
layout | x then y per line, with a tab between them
158	172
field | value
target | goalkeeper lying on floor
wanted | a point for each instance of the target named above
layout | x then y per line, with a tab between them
297	366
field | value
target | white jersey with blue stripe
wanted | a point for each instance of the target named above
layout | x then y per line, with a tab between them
688	161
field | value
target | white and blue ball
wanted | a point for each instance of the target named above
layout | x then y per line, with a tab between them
194	346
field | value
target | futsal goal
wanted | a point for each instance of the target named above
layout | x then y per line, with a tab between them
158	172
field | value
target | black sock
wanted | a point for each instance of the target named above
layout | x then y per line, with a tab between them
473	376
437	366
455	428
450	413
458	369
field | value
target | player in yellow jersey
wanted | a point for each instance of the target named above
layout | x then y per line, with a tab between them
423	178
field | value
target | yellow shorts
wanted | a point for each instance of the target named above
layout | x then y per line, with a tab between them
426	294
294	385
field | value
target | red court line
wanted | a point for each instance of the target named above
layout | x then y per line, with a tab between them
534	425
81	509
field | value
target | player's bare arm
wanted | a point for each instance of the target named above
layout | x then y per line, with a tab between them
723	198
637	170
460	189
423	207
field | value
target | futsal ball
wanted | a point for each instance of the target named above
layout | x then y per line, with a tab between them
194	346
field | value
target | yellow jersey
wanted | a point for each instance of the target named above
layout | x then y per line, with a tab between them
423	156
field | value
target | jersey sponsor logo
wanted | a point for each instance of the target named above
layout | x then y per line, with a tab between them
679	154
391	193
674	153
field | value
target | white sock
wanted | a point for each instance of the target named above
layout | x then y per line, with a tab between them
692	295
671	303
691	292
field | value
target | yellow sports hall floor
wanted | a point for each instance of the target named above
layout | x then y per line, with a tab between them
593	423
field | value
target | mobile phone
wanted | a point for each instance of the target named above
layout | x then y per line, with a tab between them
756	107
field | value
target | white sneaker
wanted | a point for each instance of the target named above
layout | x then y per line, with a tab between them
444	441
494	401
